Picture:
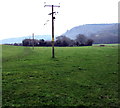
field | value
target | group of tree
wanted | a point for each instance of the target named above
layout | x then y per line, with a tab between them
80	40
62	41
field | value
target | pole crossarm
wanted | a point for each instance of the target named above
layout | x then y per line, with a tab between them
51	6
51	13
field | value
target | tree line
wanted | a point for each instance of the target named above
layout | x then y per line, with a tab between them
60	41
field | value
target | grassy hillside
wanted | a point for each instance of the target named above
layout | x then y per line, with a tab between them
90	29
78	76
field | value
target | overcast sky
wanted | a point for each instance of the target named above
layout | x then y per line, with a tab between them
23	17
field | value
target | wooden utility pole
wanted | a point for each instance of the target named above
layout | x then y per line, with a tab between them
53	53
33	40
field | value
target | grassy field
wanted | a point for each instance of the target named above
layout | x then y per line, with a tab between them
78	76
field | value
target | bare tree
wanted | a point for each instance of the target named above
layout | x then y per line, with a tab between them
81	39
63	41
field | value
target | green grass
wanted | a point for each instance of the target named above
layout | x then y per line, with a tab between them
78	76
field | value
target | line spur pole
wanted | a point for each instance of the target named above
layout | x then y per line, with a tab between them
52	6
33	40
